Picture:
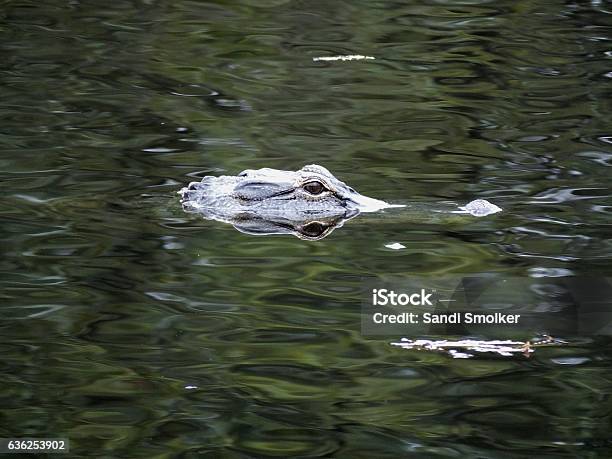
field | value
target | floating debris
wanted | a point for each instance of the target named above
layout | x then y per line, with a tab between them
457	349
350	57
480	208
395	246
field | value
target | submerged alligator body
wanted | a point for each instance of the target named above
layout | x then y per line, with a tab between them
308	203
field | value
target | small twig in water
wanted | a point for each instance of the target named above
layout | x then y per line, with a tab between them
350	57
501	347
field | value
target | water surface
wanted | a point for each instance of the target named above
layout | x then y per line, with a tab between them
137	330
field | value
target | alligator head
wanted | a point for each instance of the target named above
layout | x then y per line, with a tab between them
308	203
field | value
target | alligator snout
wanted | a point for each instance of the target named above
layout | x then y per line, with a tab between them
189	190
193	189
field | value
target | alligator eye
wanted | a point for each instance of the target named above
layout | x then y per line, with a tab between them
314	187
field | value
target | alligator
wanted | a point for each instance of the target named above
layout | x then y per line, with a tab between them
309	203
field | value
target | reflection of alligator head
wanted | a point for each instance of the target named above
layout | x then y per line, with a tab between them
308	203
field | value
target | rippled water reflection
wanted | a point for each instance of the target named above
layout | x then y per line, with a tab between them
137	330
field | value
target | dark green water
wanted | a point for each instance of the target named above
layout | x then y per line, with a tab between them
136	330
